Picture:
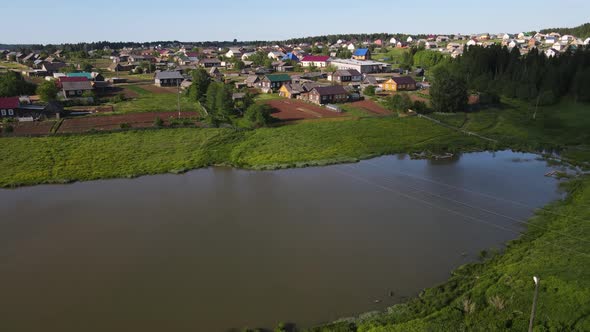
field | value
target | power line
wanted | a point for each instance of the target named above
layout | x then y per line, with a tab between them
475	219
524	222
477	193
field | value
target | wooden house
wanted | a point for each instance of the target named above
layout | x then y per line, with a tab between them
403	83
274	82
328	95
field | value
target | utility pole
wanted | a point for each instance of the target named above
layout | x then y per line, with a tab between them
178	95
537	281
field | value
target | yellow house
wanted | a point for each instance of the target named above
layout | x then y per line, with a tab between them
404	83
290	90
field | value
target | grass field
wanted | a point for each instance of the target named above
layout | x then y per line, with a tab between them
147	101
86	157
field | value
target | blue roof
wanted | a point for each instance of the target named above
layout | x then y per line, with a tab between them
83	74
361	52
291	56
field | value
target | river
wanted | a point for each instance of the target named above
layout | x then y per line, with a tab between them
219	248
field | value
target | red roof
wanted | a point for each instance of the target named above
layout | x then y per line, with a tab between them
72	79
63	79
192	54
9	102
316	58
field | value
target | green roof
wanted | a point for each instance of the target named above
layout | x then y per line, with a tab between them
83	74
278	77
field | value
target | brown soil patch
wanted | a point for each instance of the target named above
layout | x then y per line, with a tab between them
112	122
371	106
159	90
292	109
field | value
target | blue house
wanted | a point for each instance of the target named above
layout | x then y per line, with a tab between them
362	54
290	56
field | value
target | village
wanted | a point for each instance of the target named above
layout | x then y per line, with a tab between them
110	89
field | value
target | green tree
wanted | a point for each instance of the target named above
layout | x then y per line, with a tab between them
448	92
369	90
201	81
47	91
13	84
258	115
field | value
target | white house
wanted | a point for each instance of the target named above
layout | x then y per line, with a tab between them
351	47
410	39
393	41
276	55
247	55
551	53
471	42
587	41
567	38
233	53
513	43
430	45
550	40
506	36
558	47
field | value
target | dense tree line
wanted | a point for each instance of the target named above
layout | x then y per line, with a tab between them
582	31
532	76
13	84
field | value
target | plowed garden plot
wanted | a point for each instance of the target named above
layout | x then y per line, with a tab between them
291	109
371	106
158	90
135	120
33	128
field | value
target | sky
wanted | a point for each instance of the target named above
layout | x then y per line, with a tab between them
44	21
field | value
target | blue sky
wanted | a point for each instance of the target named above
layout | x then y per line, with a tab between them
42	21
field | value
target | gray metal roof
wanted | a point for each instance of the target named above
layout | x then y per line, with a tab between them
168	75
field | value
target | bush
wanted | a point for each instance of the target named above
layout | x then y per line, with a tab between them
369	91
8	129
158	122
120	97
125	125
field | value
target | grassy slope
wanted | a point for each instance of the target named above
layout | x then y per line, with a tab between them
86	157
564	296
152	102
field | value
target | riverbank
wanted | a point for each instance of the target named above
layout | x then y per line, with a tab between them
63	159
496	295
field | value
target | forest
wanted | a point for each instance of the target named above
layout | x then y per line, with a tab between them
581	31
532	77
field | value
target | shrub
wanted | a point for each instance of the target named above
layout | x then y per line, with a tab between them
158	122
369	91
8	129
125	125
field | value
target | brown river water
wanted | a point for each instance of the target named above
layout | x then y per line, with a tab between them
219	248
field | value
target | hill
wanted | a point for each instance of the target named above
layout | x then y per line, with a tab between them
581	31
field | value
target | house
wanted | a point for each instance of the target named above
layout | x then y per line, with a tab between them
551	53
117	67
252	81
363	67
210	62
11	107
215	73
430	45
401	44
351	47
402	83
290	56
291	90
328	95
274	82
75	87
168	78
62	79
276	55
343	76
442	39
193	57
233	53
247	55
472	42
141	58
362	54
319	61
409	39
86	75
587	41
52	67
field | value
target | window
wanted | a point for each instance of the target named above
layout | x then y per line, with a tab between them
3	112
10	112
